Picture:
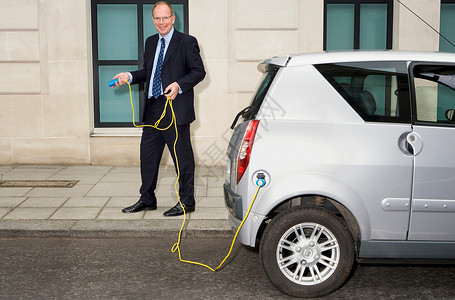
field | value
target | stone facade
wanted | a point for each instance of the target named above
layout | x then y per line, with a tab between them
46	95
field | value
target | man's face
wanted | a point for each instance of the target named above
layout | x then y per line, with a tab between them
163	25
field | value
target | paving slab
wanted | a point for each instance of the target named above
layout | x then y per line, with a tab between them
4	169
76	213
14	192
43	202
77	190
114	213
86	202
4	211
210	202
121	177
11	201
92	208
121	202
83	170
115	189
83	178
30	213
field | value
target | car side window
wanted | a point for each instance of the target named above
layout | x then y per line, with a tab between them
434	87
377	91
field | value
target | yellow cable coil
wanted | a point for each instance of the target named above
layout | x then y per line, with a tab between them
176	246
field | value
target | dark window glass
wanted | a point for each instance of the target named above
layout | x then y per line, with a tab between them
358	24
434	87
377	91
447	26
261	91
119	31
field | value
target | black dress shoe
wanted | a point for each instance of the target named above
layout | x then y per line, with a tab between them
177	210
139	206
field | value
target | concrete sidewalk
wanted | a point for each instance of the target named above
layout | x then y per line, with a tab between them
92	207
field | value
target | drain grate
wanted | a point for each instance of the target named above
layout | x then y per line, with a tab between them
39	183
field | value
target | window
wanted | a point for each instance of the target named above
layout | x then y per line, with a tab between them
435	93
377	91
358	24
265	83
447	28
119	31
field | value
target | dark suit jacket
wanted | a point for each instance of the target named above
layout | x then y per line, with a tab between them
183	64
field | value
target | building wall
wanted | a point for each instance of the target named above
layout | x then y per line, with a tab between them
409	32
46	96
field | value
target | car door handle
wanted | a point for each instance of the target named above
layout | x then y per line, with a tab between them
403	144
410	143
415	142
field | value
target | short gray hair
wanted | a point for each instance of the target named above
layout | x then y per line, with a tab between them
165	3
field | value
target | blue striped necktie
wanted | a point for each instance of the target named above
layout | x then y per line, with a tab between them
156	89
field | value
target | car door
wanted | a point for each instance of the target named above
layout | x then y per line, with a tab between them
433	146
379	166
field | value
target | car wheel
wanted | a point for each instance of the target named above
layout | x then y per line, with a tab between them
307	252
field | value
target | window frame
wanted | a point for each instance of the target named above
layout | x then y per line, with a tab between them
357	4
96	62
412	86
446	2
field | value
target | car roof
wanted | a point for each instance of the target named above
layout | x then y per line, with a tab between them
357	56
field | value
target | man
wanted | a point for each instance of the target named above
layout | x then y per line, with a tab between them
172	66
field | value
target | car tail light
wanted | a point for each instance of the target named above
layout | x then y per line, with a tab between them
245	149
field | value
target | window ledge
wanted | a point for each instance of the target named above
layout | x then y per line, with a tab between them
116	132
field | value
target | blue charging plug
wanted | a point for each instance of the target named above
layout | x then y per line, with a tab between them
112	82
261	180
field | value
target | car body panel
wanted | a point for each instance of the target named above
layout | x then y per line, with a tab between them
359	56
395	178
320	102
407	250
343	162
433	197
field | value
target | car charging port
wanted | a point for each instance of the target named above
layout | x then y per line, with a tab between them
261	178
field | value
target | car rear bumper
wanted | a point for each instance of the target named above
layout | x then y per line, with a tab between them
233	202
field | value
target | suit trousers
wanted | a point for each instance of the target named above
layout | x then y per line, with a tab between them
151	151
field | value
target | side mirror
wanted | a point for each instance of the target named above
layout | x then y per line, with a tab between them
450	115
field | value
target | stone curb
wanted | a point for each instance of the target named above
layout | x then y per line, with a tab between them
113	228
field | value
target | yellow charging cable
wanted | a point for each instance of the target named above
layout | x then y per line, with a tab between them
176	246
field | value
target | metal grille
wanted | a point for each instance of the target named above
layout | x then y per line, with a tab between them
39	183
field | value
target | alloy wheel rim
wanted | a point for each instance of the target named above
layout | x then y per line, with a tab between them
308	253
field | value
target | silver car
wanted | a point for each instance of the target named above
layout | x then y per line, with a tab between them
355	153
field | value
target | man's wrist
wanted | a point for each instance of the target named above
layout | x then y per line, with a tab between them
180	90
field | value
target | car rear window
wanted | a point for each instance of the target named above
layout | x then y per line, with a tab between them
377	91
261	91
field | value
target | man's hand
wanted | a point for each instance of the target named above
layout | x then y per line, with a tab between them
172	90
122	79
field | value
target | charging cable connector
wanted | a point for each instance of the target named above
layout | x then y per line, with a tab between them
260	179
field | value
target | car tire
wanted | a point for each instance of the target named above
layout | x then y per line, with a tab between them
307	252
